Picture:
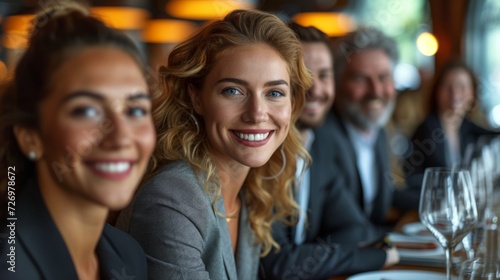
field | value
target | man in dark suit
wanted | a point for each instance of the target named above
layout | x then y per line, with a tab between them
311	249
364	65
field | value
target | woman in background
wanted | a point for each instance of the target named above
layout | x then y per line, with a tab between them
226	153
76	136
443	137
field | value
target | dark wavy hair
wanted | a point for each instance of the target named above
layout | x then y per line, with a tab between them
58	31
453	64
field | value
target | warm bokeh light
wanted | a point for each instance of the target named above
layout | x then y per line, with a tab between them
16	31
168	31
3	71
123	18
204	9
427	44
333	24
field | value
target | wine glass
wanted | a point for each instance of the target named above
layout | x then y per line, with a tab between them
447	207
481	187
479	269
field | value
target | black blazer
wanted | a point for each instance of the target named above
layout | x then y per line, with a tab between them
335	134
335	226
429	147
40	251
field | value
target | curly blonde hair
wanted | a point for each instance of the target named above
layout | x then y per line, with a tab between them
181	136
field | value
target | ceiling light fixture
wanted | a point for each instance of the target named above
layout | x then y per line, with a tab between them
16	31
332	23
168	31
123	18
204	9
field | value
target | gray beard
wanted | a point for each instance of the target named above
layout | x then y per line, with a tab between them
354	114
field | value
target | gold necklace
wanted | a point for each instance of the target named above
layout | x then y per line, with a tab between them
230	216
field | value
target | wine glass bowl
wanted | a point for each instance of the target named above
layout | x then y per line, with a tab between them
479	172
447	207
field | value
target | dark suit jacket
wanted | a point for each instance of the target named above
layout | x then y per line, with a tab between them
40	251
335	226
335	134
429	147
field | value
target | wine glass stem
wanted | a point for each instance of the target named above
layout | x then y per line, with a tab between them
448	262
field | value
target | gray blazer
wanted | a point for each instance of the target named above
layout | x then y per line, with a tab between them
173	219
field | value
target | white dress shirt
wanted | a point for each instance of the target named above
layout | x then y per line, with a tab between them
364	147
303	178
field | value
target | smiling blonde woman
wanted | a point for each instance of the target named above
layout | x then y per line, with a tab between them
224	166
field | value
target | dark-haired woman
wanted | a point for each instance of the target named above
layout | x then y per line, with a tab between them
443	137
76	138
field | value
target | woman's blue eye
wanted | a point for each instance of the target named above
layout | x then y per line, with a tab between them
230	91
276	93
87	112
137	112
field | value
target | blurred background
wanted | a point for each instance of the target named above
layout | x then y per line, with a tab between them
428	33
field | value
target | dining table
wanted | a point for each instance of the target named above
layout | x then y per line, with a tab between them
407	218
401	267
